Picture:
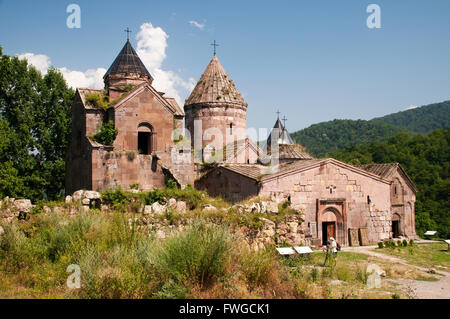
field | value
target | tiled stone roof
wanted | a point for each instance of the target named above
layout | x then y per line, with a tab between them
293	151
382	170
128	62
176	107
252	171
215	87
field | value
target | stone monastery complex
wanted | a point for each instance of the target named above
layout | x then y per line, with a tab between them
337	199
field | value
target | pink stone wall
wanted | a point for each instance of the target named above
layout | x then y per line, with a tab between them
218	118
348	197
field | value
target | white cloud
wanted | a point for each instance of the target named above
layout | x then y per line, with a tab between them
197	24
151	48
411	107
39	61
92	78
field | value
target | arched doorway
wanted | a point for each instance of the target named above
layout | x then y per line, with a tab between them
395	225
145	139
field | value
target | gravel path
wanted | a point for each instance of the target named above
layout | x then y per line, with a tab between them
415	288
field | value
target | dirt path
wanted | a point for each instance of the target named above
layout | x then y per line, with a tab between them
415	288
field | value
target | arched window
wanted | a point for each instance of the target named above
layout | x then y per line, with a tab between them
231	128
145	139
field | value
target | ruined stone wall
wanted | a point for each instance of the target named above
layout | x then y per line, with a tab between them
227	184
78	160
112	169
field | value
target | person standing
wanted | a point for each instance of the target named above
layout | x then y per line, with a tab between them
331	249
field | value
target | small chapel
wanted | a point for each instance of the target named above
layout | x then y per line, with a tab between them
150	148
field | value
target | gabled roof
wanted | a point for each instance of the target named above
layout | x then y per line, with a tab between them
385	170
128	62
382	170
168	102
215	87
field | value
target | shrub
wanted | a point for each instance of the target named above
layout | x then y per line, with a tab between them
399	243
98	100
380	244
116	199
107	134
405	243
198	255
171	184
411	242
257	266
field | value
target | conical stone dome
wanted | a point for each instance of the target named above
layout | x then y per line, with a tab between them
215	87
128	62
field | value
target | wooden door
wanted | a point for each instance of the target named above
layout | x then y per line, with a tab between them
331	230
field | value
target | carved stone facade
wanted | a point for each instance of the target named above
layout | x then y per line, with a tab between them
335	197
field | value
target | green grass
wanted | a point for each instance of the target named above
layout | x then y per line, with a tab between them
432	255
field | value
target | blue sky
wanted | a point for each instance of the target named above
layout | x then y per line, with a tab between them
313	60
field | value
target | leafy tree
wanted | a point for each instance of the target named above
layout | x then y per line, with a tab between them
35	121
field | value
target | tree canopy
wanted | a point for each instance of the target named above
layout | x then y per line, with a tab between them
35	128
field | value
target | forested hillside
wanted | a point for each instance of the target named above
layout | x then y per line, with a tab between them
335	135
332	136
426	159
422	119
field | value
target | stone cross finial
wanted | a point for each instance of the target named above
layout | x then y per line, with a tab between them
128	31
214	45
278	114
284	121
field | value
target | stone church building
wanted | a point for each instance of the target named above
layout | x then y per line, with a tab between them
336	198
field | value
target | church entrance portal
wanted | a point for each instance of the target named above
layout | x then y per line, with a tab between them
328	231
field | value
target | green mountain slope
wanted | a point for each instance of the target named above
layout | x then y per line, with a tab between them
426	159
422	119
331	136
335	135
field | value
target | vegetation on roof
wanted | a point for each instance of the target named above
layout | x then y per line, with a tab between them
107	134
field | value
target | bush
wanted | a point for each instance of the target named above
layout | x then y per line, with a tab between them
116	199
405	243
257	266
399	243
411	242
107	134
380	244
198	255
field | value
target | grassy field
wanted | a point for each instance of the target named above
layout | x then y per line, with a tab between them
205	260
433	255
